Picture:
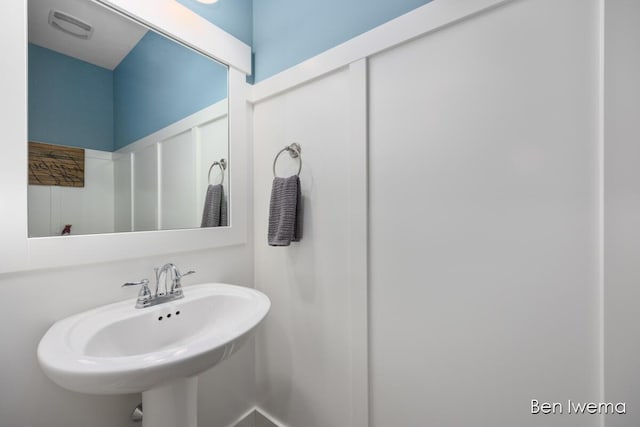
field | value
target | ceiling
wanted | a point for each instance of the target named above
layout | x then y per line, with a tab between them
113	36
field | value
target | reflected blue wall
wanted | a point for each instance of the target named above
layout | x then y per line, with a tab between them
70	101
159	83
75	103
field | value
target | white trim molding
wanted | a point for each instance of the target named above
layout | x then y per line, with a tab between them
13	107
358	241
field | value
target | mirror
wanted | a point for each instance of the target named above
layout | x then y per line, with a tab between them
128	130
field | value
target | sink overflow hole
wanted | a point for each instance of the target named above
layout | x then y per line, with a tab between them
177	312
160	318
168	315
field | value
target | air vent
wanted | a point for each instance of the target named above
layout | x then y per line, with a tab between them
70	24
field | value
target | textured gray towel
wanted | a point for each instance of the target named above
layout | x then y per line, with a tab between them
214	213
285	216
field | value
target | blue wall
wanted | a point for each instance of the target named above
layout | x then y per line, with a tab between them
233	16
287	32
284	33
160	82
70	101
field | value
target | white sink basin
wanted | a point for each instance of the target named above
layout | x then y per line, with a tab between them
157	350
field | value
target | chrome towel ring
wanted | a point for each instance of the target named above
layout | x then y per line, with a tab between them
295	151
223	166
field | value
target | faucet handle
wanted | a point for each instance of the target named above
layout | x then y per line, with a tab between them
176	286
144	283
187	273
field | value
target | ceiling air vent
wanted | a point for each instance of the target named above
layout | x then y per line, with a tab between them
70	24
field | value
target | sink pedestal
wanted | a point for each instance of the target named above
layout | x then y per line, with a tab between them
174	404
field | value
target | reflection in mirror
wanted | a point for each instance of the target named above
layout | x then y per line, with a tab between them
125	126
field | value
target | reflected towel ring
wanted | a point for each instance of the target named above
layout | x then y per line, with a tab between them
295	151
223	166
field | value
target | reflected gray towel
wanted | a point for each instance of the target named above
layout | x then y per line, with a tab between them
214	213
285	216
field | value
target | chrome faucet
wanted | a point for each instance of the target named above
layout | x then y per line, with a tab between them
148	299
170	270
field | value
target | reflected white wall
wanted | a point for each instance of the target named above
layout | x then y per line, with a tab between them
89	209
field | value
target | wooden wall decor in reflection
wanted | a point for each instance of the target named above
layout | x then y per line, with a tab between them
55	165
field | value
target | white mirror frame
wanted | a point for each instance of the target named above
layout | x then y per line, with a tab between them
17	251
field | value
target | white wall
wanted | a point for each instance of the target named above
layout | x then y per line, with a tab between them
303	350
89	209
145	189
123	191
622	208
178	176
484	220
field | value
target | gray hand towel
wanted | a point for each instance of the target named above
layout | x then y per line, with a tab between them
214	213
285	216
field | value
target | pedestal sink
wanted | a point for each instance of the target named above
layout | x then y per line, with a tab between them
158	351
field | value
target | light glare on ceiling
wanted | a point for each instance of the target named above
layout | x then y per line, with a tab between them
208	1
